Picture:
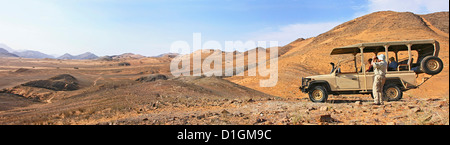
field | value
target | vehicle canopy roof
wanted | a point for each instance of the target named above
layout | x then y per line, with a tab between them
424	47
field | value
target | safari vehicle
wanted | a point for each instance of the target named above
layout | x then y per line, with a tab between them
400	79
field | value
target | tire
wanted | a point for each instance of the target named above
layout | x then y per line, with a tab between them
390	88
318	94
431	65
392	92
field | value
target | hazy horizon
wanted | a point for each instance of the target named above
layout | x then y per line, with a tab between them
114	27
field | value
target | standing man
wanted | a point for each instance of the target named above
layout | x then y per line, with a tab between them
379	65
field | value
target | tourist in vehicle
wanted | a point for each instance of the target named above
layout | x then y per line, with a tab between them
379	65
392	64
370	69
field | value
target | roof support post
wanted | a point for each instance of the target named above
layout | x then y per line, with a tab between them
409	56
386	47
361	48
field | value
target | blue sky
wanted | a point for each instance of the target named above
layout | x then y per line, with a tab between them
148	27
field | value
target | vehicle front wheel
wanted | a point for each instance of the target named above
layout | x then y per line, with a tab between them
318	94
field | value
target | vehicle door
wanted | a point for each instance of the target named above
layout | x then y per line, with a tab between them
347	81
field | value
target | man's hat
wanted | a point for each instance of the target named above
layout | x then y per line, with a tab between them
381	57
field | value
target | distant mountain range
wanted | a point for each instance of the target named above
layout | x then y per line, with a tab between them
5	53
32	54
171	55
86	55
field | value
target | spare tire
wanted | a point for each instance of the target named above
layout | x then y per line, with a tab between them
431	65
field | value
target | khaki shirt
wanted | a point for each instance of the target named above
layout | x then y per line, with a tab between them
379	68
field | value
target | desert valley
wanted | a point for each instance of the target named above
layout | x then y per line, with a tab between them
134	89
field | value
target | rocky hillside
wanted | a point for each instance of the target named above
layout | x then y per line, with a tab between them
439	20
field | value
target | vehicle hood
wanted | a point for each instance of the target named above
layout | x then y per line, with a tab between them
320	76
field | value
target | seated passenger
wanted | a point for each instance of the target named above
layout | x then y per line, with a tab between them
370	65
392	64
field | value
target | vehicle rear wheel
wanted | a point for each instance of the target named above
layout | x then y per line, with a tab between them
431	65
318	94
391	93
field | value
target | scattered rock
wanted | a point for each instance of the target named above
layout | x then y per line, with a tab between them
358	103
124	64
391	123
260	120
428	118
236	101
311	108
225	112
77	112
250	100
323	108
337	111
443	103
433	99
326	118
201	116
410	107
415	110
399	117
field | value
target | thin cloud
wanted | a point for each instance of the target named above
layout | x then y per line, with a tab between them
288	33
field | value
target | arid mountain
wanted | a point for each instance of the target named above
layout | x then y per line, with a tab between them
122	57
170	55
3	50
5	53
66	56
129	56
311	56
86	55
32	54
